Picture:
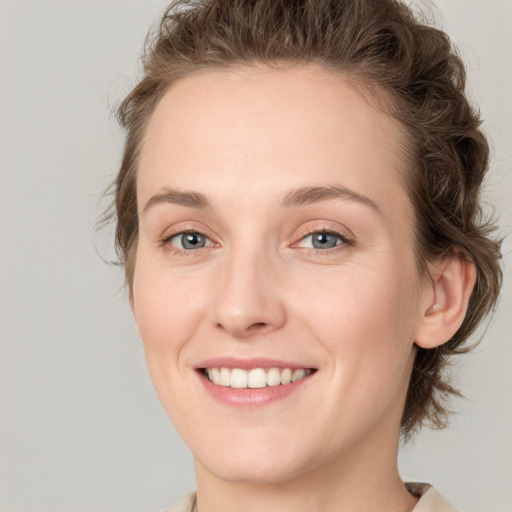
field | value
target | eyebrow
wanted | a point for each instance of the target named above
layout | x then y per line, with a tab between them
308	195
297	197
179	197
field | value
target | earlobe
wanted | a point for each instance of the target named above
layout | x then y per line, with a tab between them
446	301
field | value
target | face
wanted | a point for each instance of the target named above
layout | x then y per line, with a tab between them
276	244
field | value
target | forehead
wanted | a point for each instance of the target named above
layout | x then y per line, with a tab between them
255	128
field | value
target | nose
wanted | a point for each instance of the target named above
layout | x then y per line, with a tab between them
249	299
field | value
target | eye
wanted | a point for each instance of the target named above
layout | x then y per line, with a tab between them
189	240
322	240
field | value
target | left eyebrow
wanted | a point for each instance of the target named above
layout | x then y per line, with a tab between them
308	195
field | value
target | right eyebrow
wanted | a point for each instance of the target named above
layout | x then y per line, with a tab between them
179	197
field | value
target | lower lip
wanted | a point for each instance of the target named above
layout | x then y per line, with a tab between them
251	397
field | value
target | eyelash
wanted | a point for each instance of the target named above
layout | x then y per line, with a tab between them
182	252
344	239
345	242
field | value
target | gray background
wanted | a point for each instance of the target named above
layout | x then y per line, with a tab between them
80	426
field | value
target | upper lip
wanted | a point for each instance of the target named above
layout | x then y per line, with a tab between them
250	363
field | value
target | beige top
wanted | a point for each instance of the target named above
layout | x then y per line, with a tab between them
430	500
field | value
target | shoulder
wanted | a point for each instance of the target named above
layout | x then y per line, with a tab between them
430	500
186	504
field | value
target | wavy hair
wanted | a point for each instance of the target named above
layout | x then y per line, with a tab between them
381	45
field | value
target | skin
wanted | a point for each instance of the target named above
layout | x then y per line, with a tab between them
244	139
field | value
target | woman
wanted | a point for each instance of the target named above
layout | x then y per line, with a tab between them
297	213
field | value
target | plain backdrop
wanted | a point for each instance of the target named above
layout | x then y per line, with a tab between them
81	429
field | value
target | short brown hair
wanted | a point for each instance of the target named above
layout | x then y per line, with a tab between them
379	44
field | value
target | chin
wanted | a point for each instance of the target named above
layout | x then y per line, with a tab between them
244	469
251	459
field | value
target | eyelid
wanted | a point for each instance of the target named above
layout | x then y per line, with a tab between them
186	227
344	235
181	229
208	241
323	227
339	238
174	234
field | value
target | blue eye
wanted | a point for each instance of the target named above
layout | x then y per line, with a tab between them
190	240
322	240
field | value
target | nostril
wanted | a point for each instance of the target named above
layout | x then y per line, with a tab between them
257	326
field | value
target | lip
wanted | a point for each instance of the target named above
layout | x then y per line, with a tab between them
250	398
249	364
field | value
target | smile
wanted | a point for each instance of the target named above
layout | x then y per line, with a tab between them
256	378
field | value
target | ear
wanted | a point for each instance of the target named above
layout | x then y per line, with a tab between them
445	301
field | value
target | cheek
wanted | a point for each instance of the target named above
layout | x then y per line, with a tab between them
362	303
367	323
165	309
166	313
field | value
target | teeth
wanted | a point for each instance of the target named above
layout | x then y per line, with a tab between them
238	378
298	374
286	376
225	377
255	378
273	377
